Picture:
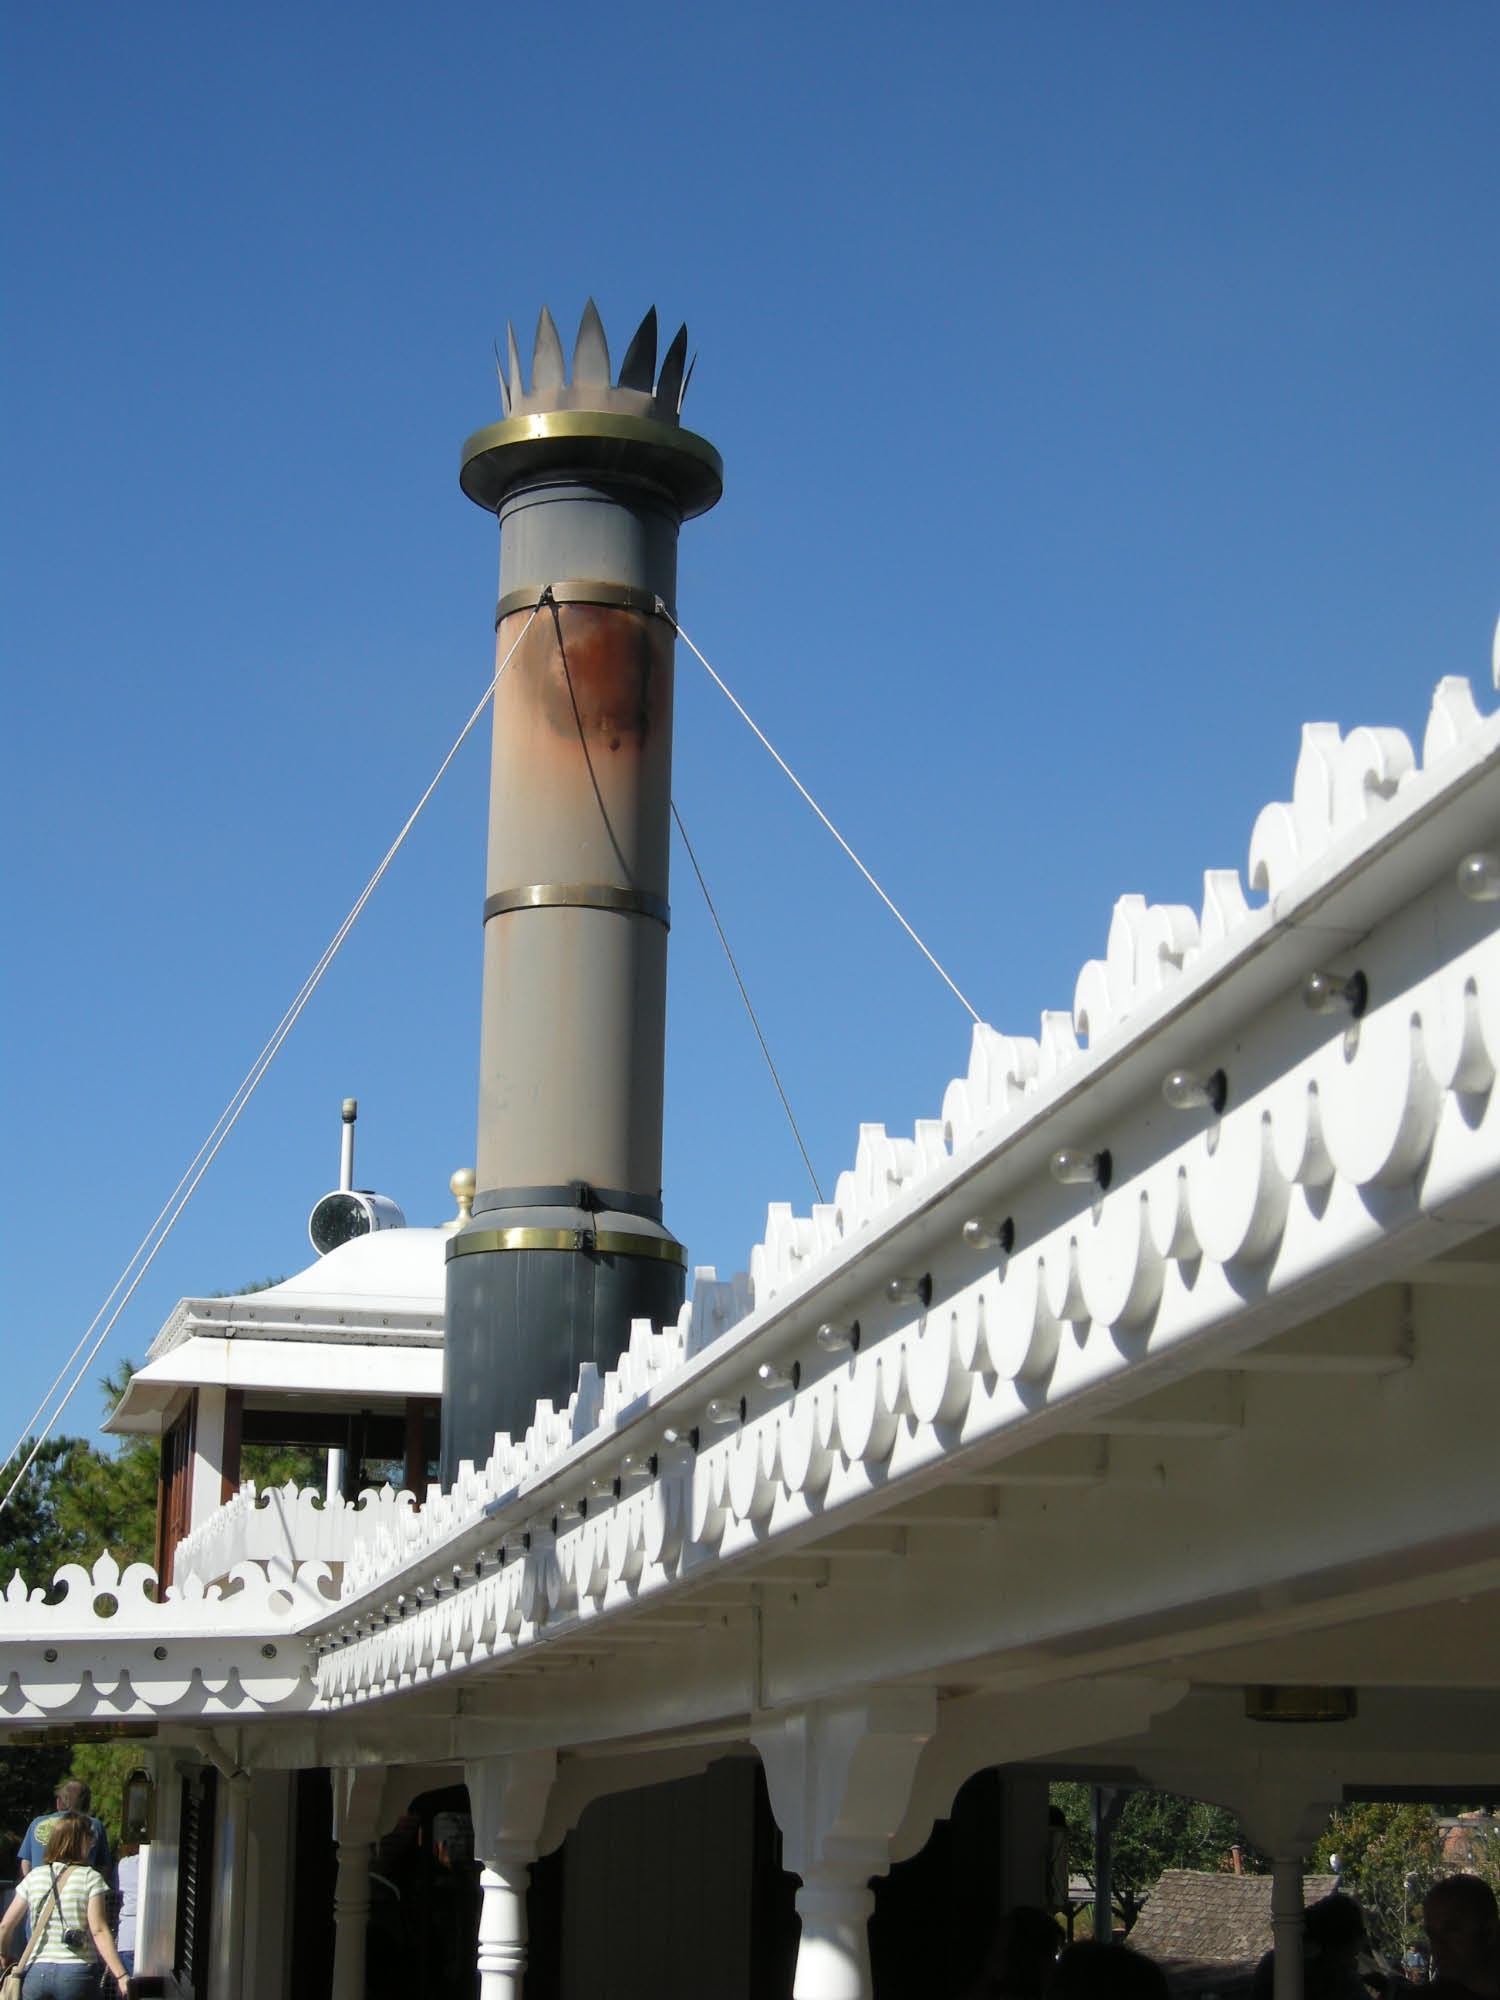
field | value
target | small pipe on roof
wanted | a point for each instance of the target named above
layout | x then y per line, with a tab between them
346	1151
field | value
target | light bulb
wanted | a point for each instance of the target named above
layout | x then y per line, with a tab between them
1075	1168
983	1233
725	1410
1189	1090
779	1378
1332	993
1479	877
833	1338
909	1291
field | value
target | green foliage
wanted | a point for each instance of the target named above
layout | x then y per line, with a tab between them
34	1540
107	1500
76	1500
1483	1859
1156	1830
274	1464
104	1767
1389	1856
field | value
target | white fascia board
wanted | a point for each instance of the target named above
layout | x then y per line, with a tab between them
337	1373
325	1319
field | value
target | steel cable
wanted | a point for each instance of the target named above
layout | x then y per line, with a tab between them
204	1158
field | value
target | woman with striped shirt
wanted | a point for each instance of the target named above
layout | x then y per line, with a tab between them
74	1922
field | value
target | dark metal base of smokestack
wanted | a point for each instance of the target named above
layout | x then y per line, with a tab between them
536	1289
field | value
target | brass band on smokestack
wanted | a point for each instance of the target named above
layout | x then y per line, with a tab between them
591	480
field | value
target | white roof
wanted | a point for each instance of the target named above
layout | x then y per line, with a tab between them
365	1322
399	1270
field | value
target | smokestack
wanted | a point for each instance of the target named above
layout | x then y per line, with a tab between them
591	480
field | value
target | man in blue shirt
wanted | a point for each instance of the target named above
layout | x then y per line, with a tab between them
73	1796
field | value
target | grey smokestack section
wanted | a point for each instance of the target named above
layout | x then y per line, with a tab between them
591	482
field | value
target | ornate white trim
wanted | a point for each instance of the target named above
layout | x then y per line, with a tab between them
287	1523
107	1650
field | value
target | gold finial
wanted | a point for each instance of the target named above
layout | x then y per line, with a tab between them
462	1186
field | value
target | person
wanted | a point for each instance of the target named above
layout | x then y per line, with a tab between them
72	1796
1094	1970
1024	1954
127	1890
69	1901
1462	1923
1333	1940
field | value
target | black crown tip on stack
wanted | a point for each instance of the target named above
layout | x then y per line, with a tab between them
637	390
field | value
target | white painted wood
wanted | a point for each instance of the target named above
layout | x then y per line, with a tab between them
833	1953
508	1802
231	1864
270	1885
840	1778
207	1477
351	1910
283	1521
502	1930
358	1798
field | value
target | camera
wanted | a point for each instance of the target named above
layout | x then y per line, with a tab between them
74	1938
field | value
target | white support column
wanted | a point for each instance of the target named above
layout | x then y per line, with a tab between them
840	1779
224	1946
208	1455
357	1797
508	1801
833	1953
1286	1925
351	1910
235	1880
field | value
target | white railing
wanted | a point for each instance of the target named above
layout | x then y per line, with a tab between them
291	1524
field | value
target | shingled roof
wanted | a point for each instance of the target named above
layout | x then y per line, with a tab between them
1207	1929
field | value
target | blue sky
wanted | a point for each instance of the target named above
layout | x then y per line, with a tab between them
1103	391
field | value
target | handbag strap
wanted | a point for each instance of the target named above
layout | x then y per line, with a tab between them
41	1923
57	1887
